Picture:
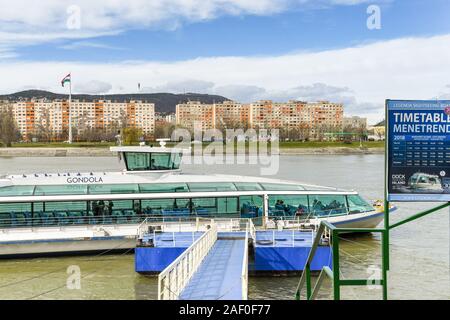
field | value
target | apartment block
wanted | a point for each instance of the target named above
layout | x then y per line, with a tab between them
102	115
264	114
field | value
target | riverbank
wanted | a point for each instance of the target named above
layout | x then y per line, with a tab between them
104	152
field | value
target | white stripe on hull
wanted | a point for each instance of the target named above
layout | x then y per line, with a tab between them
65	247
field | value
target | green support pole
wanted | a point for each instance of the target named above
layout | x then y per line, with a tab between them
336	284
385	265
308	282
385	236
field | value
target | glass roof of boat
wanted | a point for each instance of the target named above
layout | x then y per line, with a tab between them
83	189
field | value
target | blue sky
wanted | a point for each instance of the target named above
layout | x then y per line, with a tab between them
245	50
297	29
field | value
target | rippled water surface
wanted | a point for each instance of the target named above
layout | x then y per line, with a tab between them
419	250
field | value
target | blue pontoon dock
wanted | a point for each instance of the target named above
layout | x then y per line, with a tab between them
213	264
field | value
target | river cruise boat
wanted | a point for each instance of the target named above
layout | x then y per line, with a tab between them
75	212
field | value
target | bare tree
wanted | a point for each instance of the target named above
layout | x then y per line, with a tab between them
8	128
42	128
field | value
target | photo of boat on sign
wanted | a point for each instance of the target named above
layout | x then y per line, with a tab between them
183	150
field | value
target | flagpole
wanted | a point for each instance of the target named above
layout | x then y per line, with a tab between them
70	113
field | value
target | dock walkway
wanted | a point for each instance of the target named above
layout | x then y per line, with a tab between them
219	276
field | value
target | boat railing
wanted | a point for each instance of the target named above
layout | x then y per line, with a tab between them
172	222
23	221
173	279
285	238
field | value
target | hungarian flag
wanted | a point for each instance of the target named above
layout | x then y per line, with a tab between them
66	79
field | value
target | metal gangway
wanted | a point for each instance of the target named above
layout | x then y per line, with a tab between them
214	267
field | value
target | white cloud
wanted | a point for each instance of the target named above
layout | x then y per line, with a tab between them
241	92
180	86
89	44
25	22
93	87
363	77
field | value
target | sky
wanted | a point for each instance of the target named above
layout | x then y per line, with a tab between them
357	52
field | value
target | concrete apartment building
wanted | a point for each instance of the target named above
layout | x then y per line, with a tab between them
322	115
102	115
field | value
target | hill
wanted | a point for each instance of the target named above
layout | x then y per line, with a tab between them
164	102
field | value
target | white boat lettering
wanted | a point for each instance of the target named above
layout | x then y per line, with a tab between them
85	180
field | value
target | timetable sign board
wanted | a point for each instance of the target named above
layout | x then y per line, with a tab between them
418	146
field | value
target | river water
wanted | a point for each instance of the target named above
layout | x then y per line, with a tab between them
420	267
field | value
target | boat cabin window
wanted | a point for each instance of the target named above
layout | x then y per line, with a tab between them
163	187
288	205
166	207
140	161
248	186
113	188
219	207
16	191
356	204
281	187
211	186
327	205
251	206
49	190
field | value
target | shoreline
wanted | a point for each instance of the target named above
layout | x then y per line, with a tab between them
104	152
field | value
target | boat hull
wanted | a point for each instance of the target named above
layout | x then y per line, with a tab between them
54	241
67	247
360	220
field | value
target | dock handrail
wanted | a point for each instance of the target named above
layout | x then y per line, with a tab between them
333	273
252	229
173	279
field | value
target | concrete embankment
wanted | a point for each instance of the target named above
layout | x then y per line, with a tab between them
55	152
104	152
331	151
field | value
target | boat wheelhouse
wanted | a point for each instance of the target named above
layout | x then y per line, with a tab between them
153	186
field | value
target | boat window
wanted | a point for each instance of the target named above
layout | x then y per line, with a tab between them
140	161
223	206
357	204
166	207
251	206
248	186
113	188
163	187
326	205
160	161
44	190
15	207
281	187
211	186
16	191
176	160
14	214
79	206
288	205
